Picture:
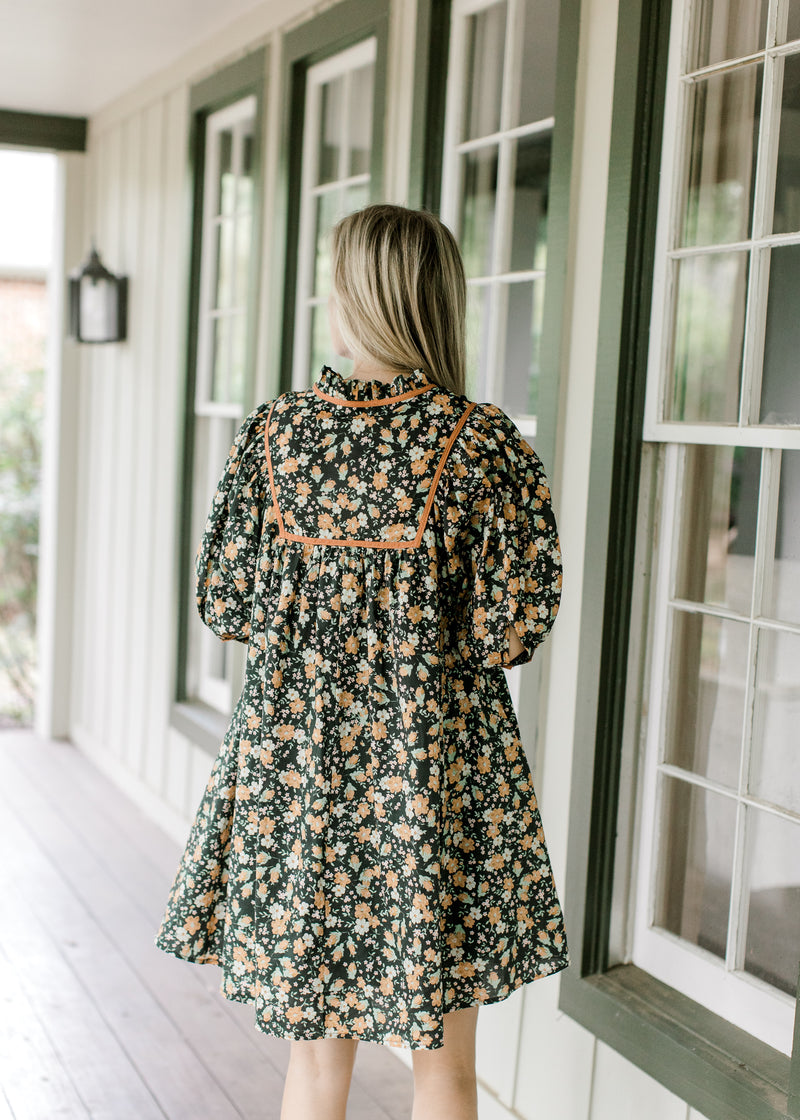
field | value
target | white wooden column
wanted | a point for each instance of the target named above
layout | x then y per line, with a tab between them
59	460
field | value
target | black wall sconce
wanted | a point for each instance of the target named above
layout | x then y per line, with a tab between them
98	303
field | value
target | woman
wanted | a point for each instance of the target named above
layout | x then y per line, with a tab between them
368	860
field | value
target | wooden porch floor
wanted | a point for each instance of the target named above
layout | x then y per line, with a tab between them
94	1019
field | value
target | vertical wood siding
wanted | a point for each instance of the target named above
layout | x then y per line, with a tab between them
128	471
168	341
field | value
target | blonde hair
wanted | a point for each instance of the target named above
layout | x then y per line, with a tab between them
399	292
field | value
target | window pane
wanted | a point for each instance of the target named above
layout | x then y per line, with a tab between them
478	306
321	350
327	206
221	333
719	508
244	185
529	204
355	198
783	598
361	82
786	217
727	29
478	204
223	292
524	316
330	139
225	187
486	34
540	53
238	329
705	707
208	659
216	656
774	773
330	207
773	915
694	882
792	23
780	384
244	240
709	329
721	158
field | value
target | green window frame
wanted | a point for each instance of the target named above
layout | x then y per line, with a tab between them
43	130
719	1069
246	78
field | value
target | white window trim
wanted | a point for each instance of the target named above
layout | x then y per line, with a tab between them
741	998
343	63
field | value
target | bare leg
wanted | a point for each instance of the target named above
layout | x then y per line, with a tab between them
318	1079
444	1079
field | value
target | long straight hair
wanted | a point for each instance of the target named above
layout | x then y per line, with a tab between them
399	292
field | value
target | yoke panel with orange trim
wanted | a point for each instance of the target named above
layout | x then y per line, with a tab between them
360	472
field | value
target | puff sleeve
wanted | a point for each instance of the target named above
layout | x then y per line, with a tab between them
510	549
226	559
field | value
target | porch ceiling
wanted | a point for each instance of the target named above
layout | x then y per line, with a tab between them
73	57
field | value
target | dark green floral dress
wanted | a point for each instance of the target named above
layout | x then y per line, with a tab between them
368	853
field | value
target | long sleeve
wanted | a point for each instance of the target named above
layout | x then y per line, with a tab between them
228	553
509	545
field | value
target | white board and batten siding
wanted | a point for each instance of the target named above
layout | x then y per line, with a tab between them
128	471
532	1059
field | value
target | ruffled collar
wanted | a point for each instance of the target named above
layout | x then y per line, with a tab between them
350	390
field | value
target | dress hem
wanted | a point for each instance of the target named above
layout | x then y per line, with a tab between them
374	1036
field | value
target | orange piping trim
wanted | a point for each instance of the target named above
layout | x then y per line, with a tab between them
360	543
372	404
347	541
269	469
440	468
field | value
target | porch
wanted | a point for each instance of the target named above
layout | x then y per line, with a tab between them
97	1021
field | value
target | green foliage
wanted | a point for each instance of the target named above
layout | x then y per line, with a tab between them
21	406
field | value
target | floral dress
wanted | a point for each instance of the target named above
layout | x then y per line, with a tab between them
368	854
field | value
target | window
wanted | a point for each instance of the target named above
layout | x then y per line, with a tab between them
335	85
621	880
227	120
718	894
222	328
337	153
498	148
